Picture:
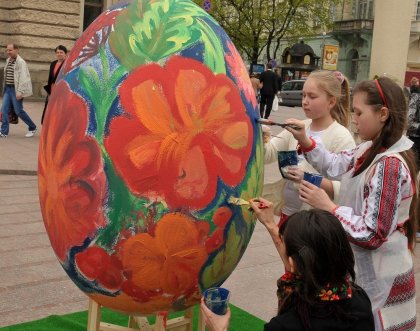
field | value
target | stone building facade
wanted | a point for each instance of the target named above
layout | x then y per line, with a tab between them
38	26
352	31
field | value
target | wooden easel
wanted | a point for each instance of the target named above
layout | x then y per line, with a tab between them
136	323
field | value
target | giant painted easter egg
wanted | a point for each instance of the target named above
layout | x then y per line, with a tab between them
150	129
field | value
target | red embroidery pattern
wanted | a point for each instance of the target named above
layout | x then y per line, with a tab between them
390	171
409	325
403	289
388	174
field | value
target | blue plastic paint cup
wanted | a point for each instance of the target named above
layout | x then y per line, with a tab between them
287	158
217	299
312	178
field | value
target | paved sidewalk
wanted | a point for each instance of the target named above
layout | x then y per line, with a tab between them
32	283
18	155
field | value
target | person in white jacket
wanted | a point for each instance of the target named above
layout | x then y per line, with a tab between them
17	85
326	104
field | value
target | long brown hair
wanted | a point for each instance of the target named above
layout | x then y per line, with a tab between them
331	84
393	130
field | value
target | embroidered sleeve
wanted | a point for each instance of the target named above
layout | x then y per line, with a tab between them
330	165
342	141
388	184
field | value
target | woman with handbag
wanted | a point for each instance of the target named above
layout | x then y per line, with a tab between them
60	53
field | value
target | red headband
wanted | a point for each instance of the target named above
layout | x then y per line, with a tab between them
381	93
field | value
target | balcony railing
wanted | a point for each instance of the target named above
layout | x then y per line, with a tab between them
352	25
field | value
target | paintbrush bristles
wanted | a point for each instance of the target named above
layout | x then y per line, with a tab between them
237	201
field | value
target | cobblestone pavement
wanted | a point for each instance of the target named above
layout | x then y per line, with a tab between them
32	283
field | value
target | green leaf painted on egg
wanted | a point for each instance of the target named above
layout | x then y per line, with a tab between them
154	30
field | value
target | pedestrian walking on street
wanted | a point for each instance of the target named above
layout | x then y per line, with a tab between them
377	205
414	85
268	90
55	66
17	85
256	85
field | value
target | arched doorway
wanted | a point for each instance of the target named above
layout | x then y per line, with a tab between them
353	64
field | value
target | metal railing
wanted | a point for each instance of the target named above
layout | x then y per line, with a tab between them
352	25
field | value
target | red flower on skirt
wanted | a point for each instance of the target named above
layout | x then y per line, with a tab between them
184	129
71	181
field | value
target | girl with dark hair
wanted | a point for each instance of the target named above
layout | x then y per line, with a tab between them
317	291
55	66
377	205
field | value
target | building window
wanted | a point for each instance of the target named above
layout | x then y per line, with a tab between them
370	10
353	9
362	9
333	11
354	66
92	9
418	11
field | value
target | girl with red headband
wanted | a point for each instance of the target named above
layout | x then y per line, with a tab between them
377	204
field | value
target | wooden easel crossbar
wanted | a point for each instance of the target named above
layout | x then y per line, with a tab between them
136	323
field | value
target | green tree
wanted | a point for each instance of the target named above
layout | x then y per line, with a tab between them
258	25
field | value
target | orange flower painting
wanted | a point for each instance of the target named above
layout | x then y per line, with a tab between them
183	129
71	180
170	260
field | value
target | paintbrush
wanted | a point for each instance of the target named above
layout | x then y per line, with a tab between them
283	125
240	202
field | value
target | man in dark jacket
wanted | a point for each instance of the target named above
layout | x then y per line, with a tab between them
269	89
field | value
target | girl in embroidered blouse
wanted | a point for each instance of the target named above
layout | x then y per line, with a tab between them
377	204
326	103
317	291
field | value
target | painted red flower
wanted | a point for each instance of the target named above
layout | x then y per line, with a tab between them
220	219
71	180
96	264
184	129
240	73
92	38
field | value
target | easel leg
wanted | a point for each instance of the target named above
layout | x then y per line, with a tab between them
94	316
161	321
201	325
189	314
132	323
